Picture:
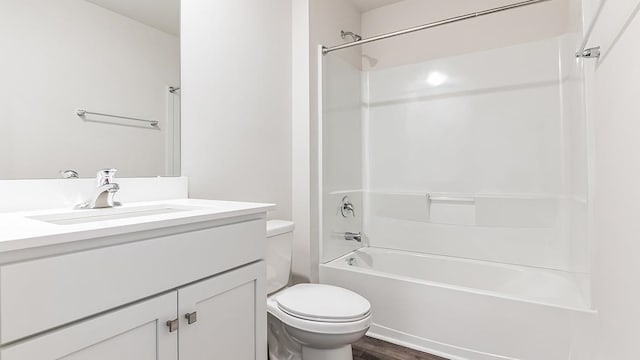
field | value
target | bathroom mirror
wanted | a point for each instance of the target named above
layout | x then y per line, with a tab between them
89	84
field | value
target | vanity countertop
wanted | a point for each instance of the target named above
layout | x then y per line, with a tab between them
24	230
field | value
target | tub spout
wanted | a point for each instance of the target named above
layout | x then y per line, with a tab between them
350	236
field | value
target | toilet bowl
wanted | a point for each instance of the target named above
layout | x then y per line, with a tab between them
308	321
316	322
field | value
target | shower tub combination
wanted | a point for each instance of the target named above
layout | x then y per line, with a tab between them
468	309
432	125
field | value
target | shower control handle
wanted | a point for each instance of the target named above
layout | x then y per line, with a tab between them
346	207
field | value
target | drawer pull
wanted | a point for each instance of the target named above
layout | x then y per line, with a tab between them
173	325
191	317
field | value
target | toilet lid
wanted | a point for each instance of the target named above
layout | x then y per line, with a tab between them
326	303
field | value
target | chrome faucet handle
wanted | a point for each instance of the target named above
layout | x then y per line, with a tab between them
69	174
346	207
105	176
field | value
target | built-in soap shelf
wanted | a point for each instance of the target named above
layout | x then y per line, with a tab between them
490	210
451	209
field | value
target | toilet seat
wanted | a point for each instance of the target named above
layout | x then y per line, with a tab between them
303	317
324	303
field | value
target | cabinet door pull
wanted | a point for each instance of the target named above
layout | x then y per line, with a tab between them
173	325
191	317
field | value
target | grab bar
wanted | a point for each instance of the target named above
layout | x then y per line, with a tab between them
82	113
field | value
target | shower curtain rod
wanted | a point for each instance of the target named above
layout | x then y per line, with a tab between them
326	50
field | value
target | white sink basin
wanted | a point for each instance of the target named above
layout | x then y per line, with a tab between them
97	215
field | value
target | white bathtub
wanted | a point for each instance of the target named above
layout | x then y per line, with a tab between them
468	309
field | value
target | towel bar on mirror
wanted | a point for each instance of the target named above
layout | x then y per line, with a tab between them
82	113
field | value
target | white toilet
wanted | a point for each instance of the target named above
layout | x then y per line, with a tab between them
308	321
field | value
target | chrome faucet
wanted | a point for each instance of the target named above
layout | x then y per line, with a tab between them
103	196
351	236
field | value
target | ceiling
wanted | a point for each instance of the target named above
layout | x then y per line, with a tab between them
163	15
366	5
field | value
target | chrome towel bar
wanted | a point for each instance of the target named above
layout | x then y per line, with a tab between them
82	113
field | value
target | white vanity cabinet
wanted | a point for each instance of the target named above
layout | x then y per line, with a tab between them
188	292
223	317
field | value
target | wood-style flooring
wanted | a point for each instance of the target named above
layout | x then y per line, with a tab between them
374	349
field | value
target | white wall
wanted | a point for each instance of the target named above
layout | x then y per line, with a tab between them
301	143
614	85
326	19
236	109
68	54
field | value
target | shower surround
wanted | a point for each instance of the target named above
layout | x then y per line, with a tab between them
476	158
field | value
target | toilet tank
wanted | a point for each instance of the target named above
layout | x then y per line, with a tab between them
279	246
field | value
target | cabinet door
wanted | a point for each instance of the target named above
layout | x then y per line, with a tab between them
228	316
136	332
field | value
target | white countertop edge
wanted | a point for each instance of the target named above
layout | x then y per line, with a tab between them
19	232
